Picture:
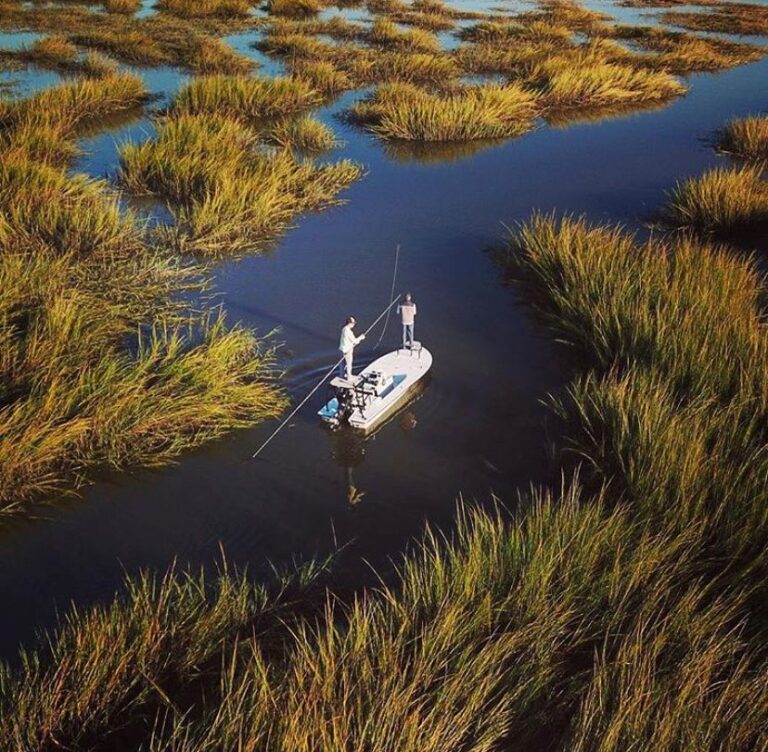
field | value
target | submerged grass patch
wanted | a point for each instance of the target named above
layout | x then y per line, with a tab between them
403	111
721	199
746	138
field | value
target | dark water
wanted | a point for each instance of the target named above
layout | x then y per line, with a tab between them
479	427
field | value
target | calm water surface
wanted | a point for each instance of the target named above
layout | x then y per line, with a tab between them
479	427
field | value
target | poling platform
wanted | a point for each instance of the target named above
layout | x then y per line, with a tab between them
367	399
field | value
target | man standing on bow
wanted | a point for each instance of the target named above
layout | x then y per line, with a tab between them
347	347
407	311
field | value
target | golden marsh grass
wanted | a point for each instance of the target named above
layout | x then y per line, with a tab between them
405	112
244	97
746	138
386	33
725	18
206	8
228	194
567	82
719	200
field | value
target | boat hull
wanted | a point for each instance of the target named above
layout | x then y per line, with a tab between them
403	370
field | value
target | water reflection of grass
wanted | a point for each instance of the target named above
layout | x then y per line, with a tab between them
433	152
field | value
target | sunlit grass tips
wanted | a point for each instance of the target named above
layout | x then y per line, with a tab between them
243	97
721	199
746	138
403	111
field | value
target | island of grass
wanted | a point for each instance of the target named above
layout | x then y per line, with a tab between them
720	200
725	18
227	192
406	112
746	138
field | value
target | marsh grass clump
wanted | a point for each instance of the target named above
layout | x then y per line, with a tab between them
295	45
569	14
508	32
720	200
682	52
431	15
294	8
512	59
211	56
403	111
476	632
96	65
673	334
105	664
426	21
100	365
206	8
322	76
614	299
746	138
70	105
80	391
130	45
568	81
304	134
228	193
725	18
707	55
55	50
74	214
123	7
243	97
417	67
386	33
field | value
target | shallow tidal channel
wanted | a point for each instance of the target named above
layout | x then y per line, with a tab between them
478	429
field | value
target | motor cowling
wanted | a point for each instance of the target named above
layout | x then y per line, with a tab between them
346	405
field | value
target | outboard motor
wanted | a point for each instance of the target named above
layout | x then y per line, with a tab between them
346	407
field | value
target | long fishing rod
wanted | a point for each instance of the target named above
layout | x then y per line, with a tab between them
391	298
318	385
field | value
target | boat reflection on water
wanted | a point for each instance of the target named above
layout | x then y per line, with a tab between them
349	445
